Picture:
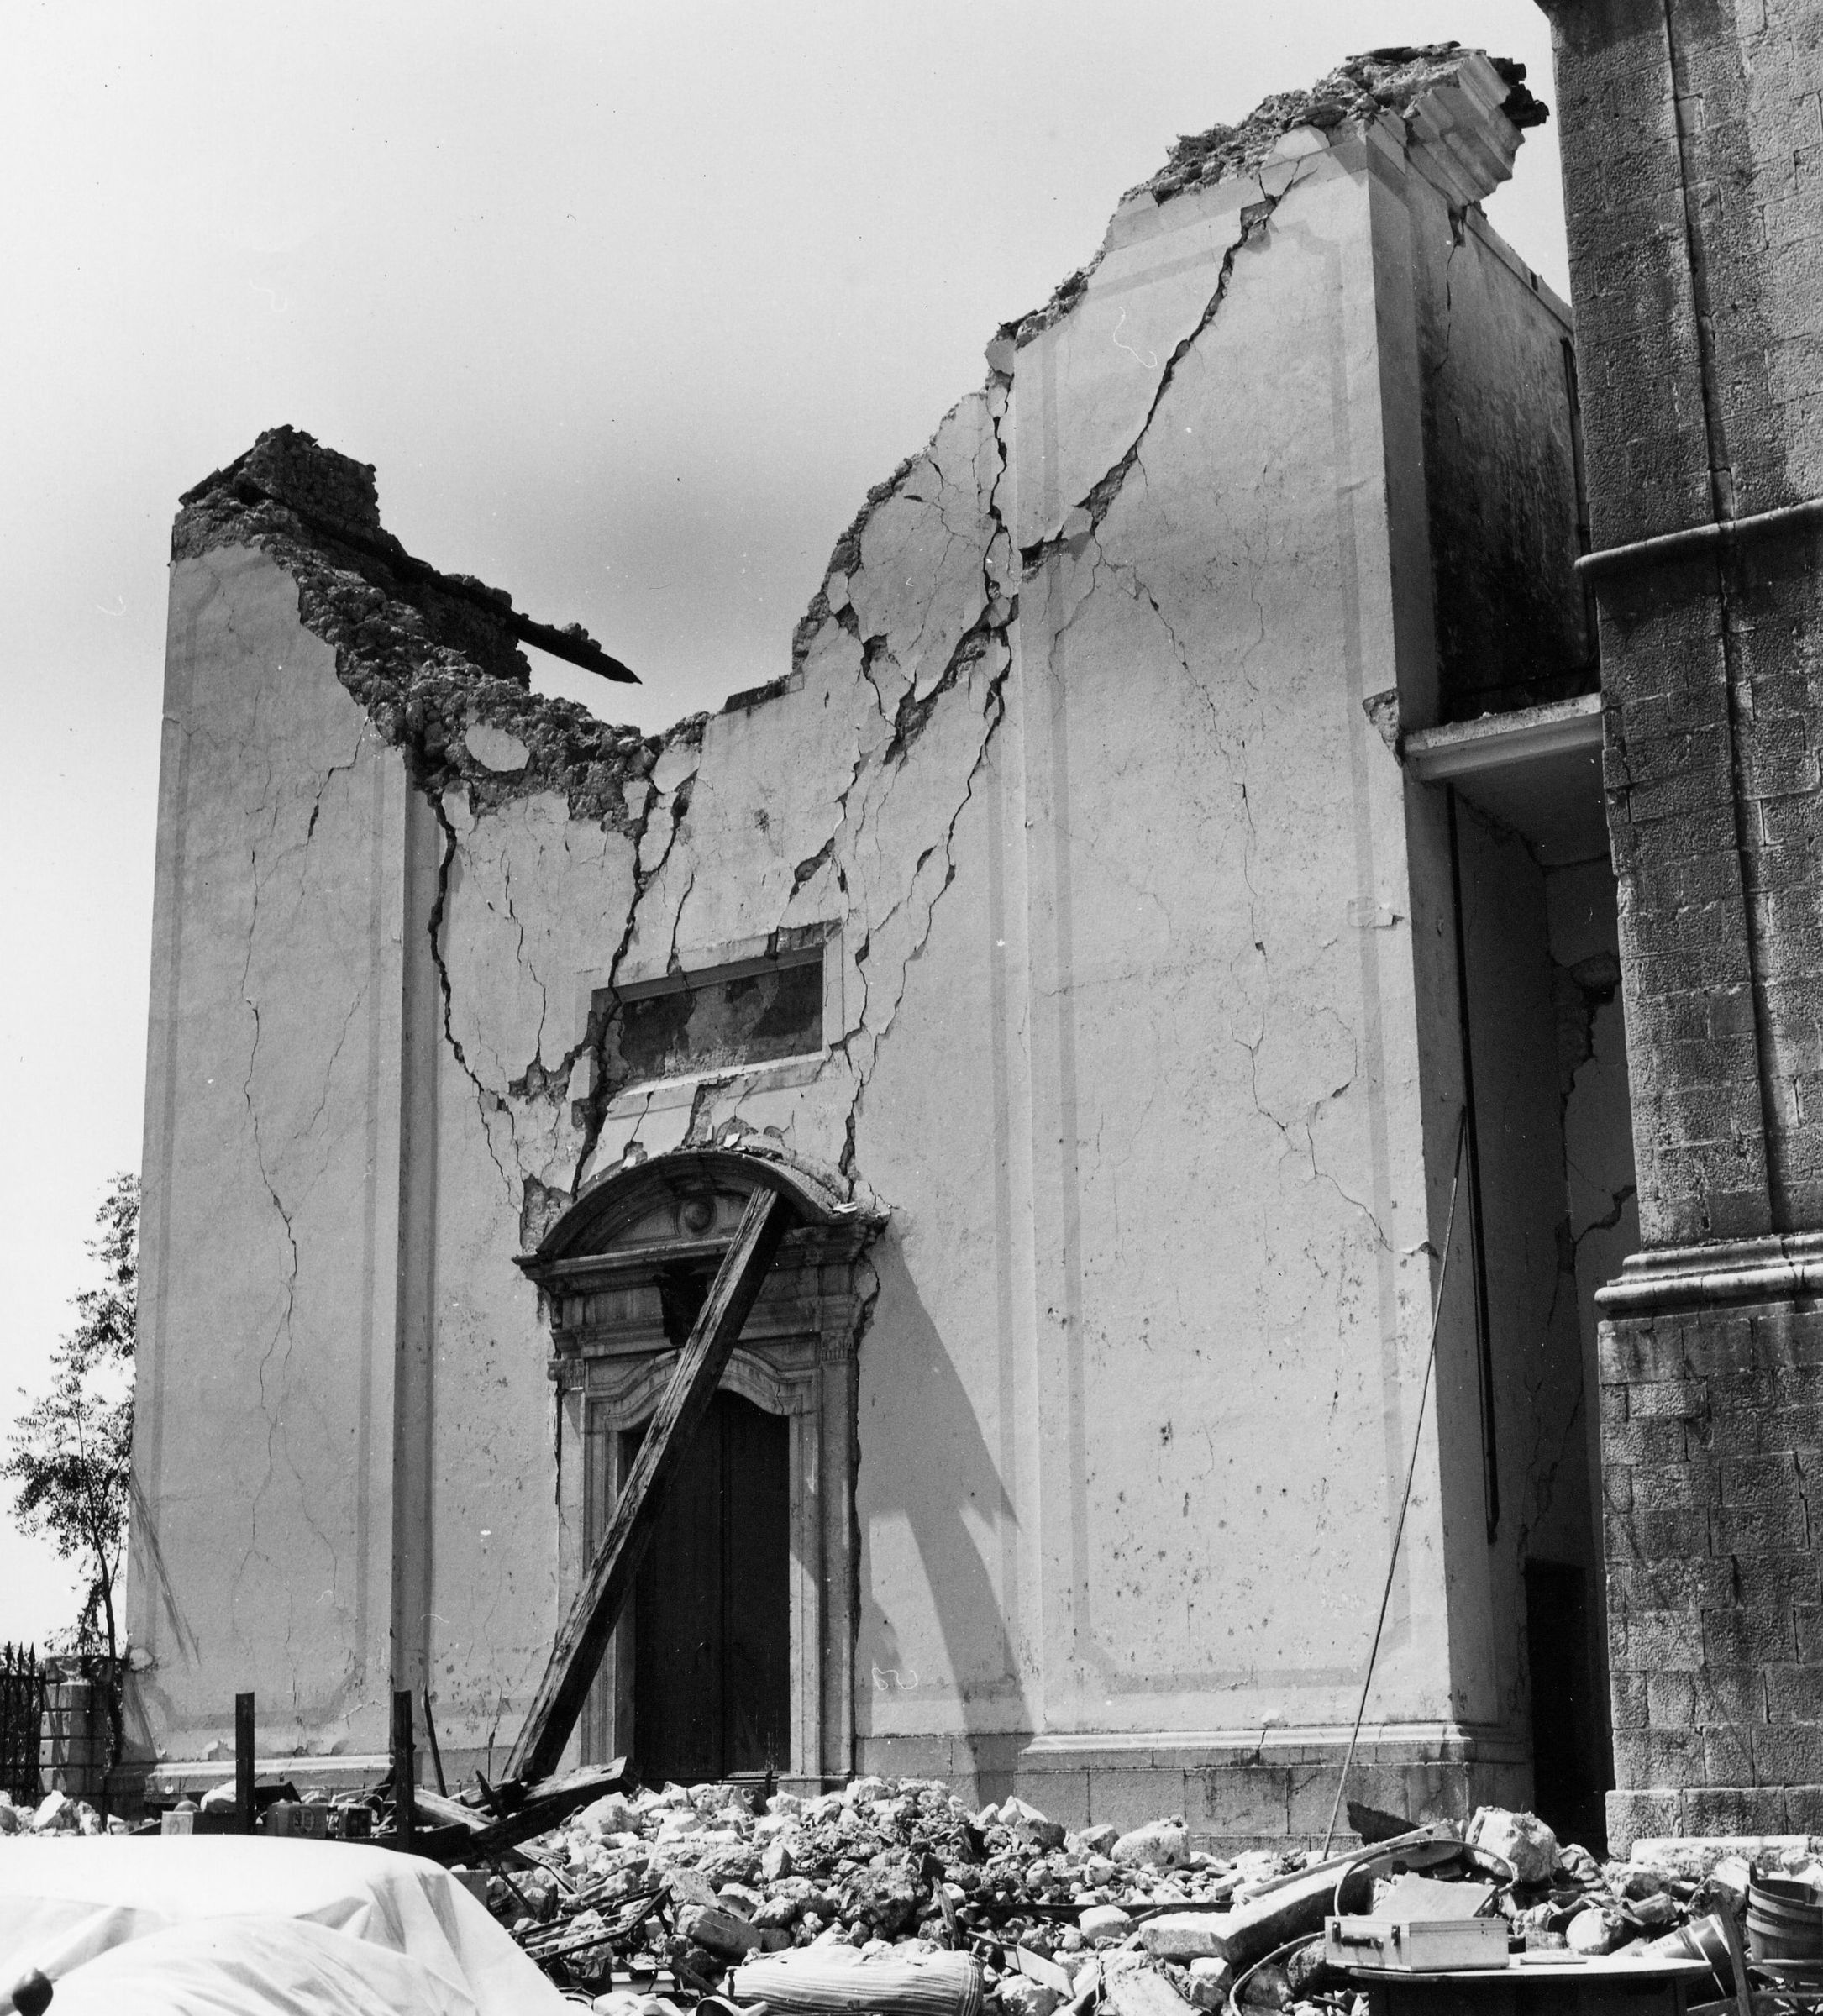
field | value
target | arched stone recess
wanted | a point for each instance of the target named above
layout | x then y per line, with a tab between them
623	1271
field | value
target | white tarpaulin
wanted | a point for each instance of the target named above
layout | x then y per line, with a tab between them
253	1924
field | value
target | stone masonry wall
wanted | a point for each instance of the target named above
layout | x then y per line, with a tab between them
1692	145
1713	1453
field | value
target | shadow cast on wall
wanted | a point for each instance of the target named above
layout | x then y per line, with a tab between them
924	1464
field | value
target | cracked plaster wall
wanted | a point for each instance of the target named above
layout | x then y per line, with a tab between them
263	1449
1143	1026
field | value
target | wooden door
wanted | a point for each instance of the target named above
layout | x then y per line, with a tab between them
711	1607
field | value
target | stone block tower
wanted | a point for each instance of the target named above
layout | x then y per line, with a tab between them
1692	145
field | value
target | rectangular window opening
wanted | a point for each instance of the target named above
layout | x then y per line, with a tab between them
754	1011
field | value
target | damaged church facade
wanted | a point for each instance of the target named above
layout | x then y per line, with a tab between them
1160	934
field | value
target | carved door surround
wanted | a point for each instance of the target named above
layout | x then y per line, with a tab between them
620	1271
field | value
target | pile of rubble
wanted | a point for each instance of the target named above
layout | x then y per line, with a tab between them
650	1902
891	1896
56	1813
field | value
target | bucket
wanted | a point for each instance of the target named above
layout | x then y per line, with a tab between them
1702	1939
1784	1919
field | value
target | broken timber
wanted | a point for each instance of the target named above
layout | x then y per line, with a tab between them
597	1606
451	1831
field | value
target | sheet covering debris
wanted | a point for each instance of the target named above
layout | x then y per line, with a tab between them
322	1926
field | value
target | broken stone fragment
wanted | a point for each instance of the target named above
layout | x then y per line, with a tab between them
1184	1935
1104	1921
739	1899
1576	1865
688	1886
1267	1987
1030	1824
495	749
1520	1840
1159	1845
1137	1990
609	1815
1592	1930
717	1931
1018	1995
1210	1982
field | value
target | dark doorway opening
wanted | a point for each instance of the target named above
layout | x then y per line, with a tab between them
1568	1773
711	1606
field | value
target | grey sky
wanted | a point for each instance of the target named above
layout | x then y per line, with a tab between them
629	305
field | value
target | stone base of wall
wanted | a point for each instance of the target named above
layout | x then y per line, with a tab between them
164	1783
1790	1813
1232	1794
1712	1450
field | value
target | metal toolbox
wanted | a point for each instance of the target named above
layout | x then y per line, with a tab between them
1436	1946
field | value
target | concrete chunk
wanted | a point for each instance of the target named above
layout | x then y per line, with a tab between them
1185	1936
1137	1990
1163	1844
717	1931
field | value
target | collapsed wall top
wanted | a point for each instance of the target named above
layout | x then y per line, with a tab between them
335	495
431	657
1462	109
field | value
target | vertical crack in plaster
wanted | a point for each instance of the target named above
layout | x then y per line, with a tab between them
1096	503
281	1328
988	635
1458	233
594	1039
283	1331
483	1098
1081	533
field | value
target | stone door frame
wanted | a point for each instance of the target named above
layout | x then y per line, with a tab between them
603	1268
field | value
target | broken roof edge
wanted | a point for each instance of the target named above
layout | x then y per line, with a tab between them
1461	111
427	656
334	495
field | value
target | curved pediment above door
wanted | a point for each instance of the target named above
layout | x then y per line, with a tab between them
644	1221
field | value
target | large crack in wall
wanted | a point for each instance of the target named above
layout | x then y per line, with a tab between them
434	671
569	846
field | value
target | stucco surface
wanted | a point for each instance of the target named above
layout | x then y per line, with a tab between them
267	1355
1141	1023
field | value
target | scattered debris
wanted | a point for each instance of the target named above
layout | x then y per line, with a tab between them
890	1896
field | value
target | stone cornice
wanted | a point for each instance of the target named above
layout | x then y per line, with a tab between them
1678	1278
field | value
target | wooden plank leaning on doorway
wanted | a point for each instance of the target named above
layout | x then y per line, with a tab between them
609	1583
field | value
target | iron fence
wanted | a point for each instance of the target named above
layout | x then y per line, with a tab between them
22	1712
